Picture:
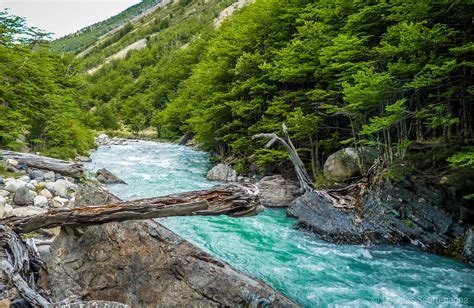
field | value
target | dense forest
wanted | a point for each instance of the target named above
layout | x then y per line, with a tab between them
394	75
39	94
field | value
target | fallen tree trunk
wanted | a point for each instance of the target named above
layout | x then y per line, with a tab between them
233	200
46	163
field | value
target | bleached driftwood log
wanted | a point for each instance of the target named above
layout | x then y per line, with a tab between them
63	167
232	200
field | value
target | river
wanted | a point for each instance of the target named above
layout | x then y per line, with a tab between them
306	269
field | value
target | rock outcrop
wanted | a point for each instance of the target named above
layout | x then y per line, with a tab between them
223	173
405	212
276	191
344	164
144	264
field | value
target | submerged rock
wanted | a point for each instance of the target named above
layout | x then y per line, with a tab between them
344	164
106	177
276	191
144	264
392	212
222	172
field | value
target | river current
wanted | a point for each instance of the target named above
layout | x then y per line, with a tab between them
306	269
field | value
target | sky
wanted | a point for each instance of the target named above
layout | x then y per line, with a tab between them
62	17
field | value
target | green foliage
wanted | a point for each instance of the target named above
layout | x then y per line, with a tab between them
38	94
138	123
339	73
465	158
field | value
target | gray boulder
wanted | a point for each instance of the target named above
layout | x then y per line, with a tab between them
222	172
106	177
343	164
3	201
276	191
23	196
90	194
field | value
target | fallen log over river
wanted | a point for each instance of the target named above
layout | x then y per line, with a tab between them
233	200
63	167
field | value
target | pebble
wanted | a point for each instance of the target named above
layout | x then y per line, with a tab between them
45	193
49	176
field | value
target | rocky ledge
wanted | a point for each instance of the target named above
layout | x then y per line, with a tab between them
391	212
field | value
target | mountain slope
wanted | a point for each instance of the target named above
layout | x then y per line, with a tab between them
86	37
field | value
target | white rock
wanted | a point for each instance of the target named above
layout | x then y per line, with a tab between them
40	201
13	186
34	182
49	186
4	193
3	201
2	210
60	188
8	209
12	162
27	211
24	178
59	202
45	193
222	172
49	176
30	186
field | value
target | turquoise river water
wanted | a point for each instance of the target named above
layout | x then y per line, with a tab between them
308	270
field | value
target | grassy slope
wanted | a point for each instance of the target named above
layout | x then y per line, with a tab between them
85	37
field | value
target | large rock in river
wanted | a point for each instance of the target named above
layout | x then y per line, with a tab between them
405	212
106	177
142	263
222	172
276	191
344	164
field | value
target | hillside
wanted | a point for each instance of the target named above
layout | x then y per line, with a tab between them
337	74
85	37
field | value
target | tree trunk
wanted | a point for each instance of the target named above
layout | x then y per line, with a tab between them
63	167
232	200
